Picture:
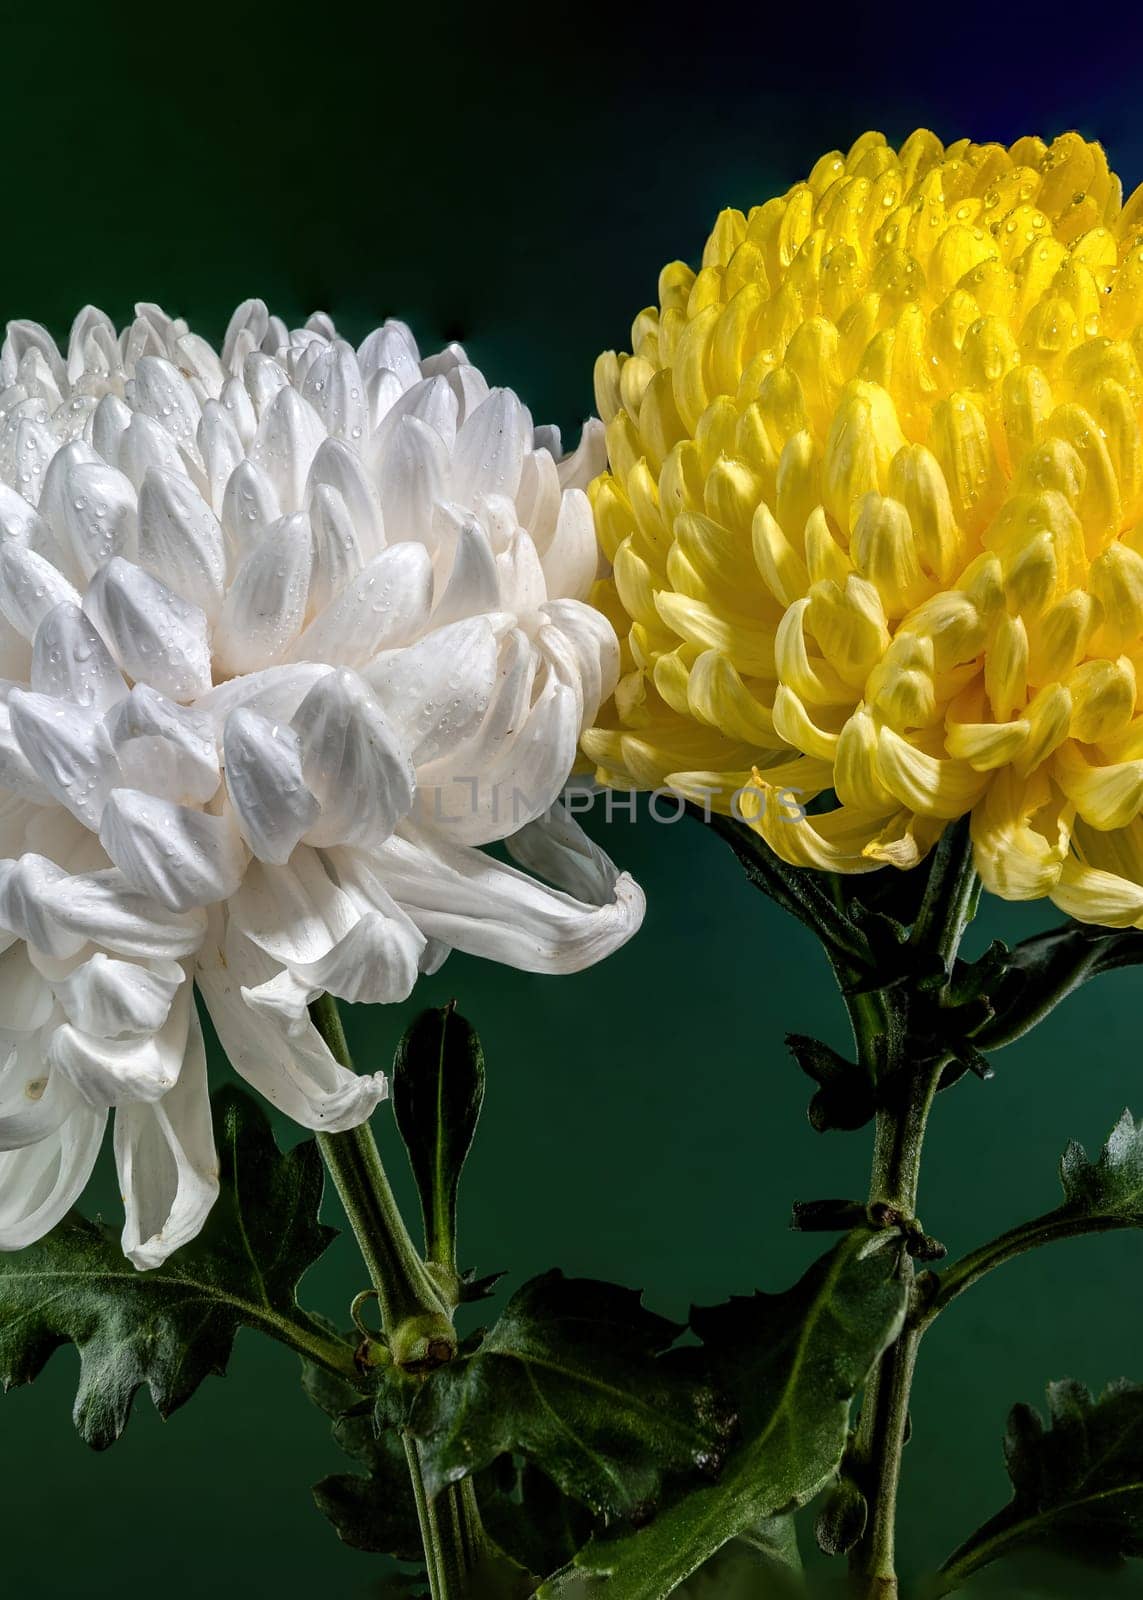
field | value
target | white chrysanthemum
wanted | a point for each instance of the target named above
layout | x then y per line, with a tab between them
286	635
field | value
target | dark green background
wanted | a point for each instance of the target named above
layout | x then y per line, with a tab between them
515	179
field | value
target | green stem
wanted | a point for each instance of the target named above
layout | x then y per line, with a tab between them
880	1442
415	1319
416	1324
426	1518
908	1088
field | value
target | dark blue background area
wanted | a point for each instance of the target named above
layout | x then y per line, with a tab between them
515	179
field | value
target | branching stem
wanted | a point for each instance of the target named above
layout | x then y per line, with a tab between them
414	1320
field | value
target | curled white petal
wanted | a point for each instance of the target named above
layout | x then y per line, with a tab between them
166	1161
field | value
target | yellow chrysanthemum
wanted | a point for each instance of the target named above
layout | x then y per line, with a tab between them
874	519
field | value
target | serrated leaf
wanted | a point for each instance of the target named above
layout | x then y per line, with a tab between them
372	1510
793	1362
1077	1484
1112	1185
438	1090
172	1327
573	1376
1031	979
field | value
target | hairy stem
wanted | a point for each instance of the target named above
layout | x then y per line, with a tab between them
414	1320
907	1087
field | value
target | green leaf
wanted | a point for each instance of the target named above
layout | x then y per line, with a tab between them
574	1376
375	1510
529	1516
172	1327
438	1090
1027	982
793	1362
1112	1185
1077	1485
846	1097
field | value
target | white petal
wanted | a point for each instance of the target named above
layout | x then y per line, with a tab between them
516	778
289	433
111	420
589	459
26	885
236	402
26	449
114	1072
474	580
26	1001
68	751
490	448
30	587
520	576
393	349
164	748
275	693
160	391
105	908
196	358
295	913
538	499
377	963
221	448
383	391
411	477
265	378
335	389
111	998
353	761
182	857
54	493
266	603
99	516
167	1164
70	660
470	387
17	775
431	401
34	1100
337	550
339	467
294	1070
154	635
247	325
437	691
475	904
571	560
39	1184
385	604
180	540
264	778
592	639
146	445
20	523
249	507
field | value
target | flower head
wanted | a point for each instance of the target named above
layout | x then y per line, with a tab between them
873	509
286	634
